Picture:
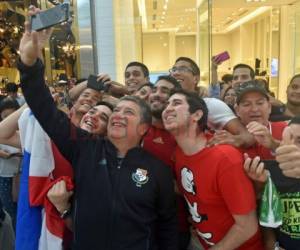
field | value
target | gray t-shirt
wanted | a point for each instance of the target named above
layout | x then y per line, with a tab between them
9	167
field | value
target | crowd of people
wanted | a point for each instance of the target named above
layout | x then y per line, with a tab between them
158	166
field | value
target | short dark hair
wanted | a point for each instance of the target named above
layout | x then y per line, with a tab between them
225	92
294	77
11	87
295	120
171	80
194	66
242	65
227	78
9	103
195	103
150	85
141	65
107	104
145	112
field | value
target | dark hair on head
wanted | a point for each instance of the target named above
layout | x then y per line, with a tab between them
150	85
193	64
11	87
225	92
242	65
141	65
295	120
294	77
107	104
9	103
145	112
171	80
227	78
195	103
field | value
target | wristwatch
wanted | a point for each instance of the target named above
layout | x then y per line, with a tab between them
65	214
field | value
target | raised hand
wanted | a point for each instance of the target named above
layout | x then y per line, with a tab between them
288	155
255	169
262	135
33	42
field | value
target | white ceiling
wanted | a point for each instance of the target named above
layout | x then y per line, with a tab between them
181	15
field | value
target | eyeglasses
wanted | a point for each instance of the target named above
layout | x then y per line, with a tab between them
181	69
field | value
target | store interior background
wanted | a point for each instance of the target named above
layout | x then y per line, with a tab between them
106	35
251	31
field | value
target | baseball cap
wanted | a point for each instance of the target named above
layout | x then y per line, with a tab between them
250	86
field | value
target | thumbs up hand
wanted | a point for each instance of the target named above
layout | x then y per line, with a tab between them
288	155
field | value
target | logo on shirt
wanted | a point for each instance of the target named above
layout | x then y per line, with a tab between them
187	180
140	177
158	140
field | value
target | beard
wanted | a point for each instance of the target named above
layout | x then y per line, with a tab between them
157	113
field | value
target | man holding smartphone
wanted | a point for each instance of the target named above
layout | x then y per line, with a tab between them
124	197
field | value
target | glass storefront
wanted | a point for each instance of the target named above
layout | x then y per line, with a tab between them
157	32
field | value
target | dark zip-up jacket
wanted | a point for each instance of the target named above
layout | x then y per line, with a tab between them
126	204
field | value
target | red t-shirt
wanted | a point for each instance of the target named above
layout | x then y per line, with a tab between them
215	187
162	144
276	129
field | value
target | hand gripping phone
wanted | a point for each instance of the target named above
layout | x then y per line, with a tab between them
98	85
222	57
50	17
93	83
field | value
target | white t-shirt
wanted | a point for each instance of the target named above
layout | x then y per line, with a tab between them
9	167
219	114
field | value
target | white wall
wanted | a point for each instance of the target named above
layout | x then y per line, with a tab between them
156	51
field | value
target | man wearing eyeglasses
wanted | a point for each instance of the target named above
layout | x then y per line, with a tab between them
220	116
186	72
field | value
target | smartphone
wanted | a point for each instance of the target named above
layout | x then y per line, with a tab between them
50	17
222	57
94	83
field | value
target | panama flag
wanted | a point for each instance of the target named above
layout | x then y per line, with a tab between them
33	232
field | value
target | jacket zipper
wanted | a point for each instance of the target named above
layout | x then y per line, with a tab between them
115	190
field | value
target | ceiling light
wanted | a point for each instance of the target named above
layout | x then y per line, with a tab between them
165	6
247	18
164	13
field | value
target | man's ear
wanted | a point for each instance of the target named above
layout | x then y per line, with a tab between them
197	115
143	128
197	79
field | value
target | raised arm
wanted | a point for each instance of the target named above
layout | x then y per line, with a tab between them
55	123
8	129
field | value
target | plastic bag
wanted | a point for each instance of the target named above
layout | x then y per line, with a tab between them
271	209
